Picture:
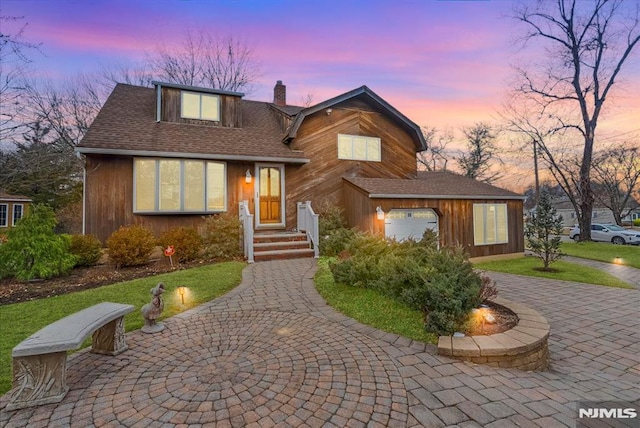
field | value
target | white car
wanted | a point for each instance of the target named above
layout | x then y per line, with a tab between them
608	233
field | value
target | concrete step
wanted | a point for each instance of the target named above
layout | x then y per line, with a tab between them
279	237
261	256
280	245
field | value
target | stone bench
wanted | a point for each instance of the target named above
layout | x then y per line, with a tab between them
523	347
40	361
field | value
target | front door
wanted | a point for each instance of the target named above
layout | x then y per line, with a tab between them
270	206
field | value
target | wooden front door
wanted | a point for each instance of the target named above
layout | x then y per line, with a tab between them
270	198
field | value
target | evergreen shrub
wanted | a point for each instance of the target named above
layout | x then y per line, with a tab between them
222	237
33	250
86	248
186	242
130	246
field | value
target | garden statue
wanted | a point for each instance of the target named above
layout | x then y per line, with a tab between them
152	311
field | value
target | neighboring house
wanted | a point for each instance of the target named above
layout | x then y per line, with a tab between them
12	209
600	213
169	155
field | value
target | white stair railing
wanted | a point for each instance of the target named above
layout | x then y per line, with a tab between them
308	223
246	220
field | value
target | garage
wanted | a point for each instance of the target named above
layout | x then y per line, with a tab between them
401	224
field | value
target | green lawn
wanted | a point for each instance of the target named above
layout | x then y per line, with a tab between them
628	255
565	271
205	283
370	307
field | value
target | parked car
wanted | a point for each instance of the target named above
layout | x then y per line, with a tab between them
608	233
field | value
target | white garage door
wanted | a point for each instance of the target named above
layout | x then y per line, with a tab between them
402	224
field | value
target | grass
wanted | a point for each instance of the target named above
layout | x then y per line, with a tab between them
371	308
565	271
629	255
202	284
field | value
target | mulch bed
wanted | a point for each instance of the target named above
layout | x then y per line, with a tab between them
505	320
14	291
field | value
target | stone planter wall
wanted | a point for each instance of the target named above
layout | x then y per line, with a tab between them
523	347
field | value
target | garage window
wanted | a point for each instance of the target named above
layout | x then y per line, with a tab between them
490	224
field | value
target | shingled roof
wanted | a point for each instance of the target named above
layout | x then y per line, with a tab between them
126	125
9	197
431	185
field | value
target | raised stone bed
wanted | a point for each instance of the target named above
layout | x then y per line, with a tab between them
523	347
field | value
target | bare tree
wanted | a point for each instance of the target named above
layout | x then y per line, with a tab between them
437	156
616	173
477	162
15	58
206	60
586	44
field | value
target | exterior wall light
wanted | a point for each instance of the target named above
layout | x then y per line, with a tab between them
379	213
247	177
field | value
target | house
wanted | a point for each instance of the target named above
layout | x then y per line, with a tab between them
600	213
12	209
167	156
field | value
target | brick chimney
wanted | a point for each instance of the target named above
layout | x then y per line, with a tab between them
280	94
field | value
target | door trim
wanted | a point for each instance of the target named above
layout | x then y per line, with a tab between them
283	214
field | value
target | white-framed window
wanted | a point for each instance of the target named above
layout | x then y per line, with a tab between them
194	105
356	147
179	186
4	215
18	212
490	224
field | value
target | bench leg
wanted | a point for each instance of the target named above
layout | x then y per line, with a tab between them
38	379
109	339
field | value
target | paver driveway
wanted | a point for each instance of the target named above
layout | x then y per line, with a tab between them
271	353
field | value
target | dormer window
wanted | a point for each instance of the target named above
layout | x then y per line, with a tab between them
195	105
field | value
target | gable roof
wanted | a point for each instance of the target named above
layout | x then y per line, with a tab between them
431	185
361	92
126	125
4	196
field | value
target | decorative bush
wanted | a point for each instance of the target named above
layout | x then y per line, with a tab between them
448	295
439	282
221	238
543	232
33	250
636	222
186	242
334	235
130	245
488	290
86	248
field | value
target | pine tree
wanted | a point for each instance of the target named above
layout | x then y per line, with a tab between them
543	232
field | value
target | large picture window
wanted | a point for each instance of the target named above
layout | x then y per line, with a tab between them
179	186
199	106
4	215
356	147
490	224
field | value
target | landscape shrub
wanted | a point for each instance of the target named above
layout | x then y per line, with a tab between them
359	263
86	248
488	290
334	235
439	282
186	243
636	222
130	245
222	234
33	250
448	294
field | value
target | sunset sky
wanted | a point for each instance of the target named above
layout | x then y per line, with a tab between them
442	63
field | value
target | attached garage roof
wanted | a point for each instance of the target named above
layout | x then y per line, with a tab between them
431	185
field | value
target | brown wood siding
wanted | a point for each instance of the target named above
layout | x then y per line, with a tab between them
455	219
109	197
230	110
321	179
